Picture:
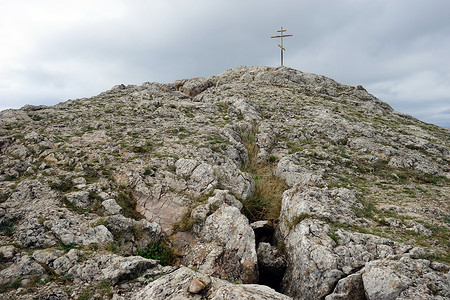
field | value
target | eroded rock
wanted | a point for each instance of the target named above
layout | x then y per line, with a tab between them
225	247
176	285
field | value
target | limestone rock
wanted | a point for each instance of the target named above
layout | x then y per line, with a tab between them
79	198
336	205
226	247
23	268
46	256
271	264
110	267
293	173
405	278
99	235
111	207
63	263
350	287
7	252
196	286
311	260
117	170
239	183
134	233
193	87
176	285
316	260
200	176
55	294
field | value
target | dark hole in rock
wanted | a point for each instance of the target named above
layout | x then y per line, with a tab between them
271	262
271	265
264	231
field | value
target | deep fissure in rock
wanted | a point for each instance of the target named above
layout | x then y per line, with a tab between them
271	263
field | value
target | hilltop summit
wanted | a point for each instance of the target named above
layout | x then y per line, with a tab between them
288	182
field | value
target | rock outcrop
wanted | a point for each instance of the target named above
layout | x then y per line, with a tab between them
258	183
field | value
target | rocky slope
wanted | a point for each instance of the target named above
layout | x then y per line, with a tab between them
258	183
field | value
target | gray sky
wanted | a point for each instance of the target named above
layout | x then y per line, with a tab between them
55	50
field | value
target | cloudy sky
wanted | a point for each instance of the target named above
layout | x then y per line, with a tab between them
55	50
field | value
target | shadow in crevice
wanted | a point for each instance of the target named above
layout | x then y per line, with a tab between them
271	261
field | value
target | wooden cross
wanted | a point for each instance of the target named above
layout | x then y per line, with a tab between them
281	46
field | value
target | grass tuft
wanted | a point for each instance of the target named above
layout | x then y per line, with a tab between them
161	251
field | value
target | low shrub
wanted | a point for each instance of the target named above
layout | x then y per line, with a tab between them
161	251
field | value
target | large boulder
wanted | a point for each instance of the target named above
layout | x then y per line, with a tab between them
184	283
404	278
111	267
225	246
239	183
335	205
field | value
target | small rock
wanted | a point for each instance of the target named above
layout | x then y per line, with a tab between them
79	180
8	251
51	159
196	286
79	198
111	207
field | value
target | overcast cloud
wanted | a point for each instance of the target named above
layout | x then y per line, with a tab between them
54	50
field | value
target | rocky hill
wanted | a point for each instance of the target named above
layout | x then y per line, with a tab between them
258	183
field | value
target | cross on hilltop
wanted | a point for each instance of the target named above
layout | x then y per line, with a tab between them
281	36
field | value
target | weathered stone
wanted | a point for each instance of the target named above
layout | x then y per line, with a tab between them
226	247
55	294
8	252
239	183
271	265
111	207
175	285
382	283
196	286
336	205
110	267
351	163
223	196
79	198
24	268
46	256
348	288
311	261
270	260
405	278
193	87
134	234
99	235
63	263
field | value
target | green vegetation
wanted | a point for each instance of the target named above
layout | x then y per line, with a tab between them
7	227
223	106
150	171
4	197
112	247
333	236
126	200
86	294
148	147
69	247
63	184
91	175
185	223
161	251
266	201
298	219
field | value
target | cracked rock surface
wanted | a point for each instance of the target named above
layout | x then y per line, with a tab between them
214	188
